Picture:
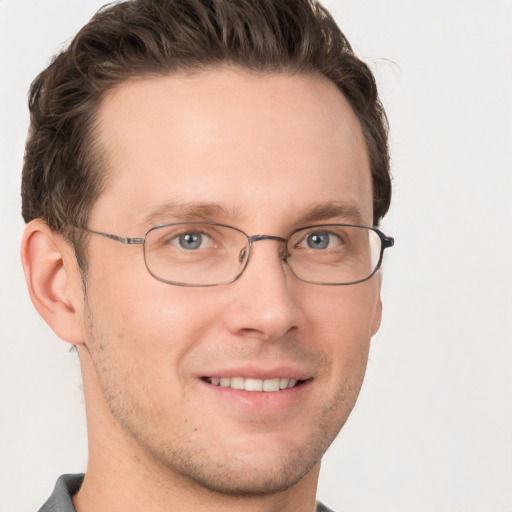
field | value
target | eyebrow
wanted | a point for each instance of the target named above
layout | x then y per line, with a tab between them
189	212
208	211
337	210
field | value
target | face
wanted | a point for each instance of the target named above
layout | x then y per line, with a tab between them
266	154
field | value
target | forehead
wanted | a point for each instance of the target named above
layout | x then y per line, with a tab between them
250	143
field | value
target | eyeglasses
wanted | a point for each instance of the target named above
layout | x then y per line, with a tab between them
211	254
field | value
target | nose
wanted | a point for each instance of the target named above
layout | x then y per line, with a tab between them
262	304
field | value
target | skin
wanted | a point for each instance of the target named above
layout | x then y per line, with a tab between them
266	150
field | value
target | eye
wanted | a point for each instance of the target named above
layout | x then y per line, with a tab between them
320	240
192	240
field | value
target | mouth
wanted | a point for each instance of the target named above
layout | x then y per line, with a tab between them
249	384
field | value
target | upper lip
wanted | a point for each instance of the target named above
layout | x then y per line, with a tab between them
255	372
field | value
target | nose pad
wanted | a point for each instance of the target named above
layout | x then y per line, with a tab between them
283	252
243	255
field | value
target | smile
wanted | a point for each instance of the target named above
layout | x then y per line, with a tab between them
241	383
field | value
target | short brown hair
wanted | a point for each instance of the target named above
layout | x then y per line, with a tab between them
62	173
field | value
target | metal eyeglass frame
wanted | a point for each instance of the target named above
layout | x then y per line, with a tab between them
386	242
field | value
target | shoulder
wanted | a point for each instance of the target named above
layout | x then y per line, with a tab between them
320	507
61	498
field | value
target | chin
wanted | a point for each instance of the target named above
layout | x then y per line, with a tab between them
248	478
258	466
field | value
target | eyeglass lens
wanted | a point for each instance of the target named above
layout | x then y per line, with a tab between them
205	254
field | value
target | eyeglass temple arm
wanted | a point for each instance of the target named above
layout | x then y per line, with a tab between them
122	239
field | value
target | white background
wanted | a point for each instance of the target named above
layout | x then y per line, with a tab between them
432	430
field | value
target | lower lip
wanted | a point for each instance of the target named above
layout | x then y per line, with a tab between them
260	401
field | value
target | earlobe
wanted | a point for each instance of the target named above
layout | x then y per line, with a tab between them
53	280
377	315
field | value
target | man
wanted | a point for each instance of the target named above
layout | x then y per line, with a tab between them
201	187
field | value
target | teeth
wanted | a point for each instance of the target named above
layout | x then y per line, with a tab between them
287	383
269	385
237	383
251	384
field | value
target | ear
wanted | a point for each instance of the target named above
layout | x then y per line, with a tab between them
53	280
377	314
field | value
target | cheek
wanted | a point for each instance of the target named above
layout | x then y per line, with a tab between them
141	337
141	312
348	311
139	342
344	322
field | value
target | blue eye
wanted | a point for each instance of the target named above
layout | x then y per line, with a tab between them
191	240
320	240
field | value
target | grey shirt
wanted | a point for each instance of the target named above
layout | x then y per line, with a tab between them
67	485
60	500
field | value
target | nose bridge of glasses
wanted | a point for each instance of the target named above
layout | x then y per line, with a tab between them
280	239
257	238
